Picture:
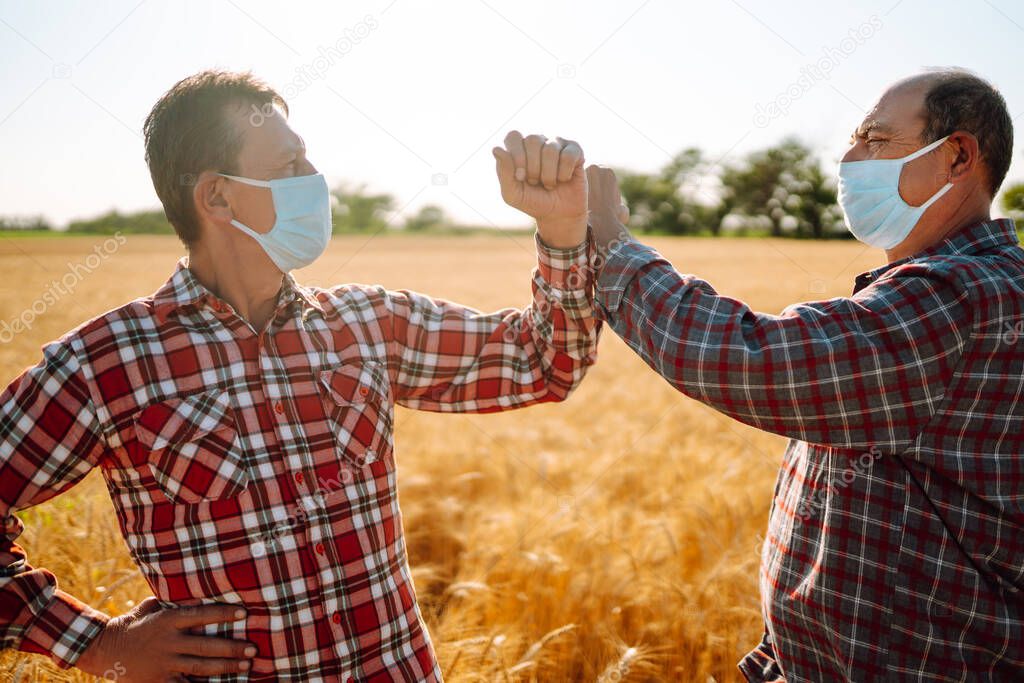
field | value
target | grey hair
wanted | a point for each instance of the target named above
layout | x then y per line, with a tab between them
959	99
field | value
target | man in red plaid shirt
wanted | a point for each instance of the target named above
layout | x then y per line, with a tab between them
895	543
243	423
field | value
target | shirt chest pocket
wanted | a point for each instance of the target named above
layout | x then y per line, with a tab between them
193	446
357	401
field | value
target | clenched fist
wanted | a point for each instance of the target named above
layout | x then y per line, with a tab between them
545	179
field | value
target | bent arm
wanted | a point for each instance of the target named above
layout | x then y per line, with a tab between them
451	358
854	372
49	439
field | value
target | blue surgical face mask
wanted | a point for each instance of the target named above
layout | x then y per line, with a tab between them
303	226
869	194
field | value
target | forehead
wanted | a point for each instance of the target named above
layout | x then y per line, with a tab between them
266	136
899	111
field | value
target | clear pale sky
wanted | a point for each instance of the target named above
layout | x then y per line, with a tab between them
409	96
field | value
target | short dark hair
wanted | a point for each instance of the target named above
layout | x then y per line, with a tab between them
958	99
188	132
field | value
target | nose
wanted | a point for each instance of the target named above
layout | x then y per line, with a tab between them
856	152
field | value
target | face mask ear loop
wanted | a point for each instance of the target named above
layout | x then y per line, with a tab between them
935	197
919	153
924	150
247	181
246	229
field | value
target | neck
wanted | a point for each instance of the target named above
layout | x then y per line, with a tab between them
247	280
931	230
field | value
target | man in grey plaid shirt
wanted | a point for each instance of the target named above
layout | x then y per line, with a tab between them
895	546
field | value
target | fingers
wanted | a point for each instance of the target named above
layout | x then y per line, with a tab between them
200	615
549	164
506	168
515	147
604	196
534	145
147	606
593	185
603	183
570	158
537	160
623	214
214	646
204	666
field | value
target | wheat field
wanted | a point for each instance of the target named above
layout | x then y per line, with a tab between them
613	537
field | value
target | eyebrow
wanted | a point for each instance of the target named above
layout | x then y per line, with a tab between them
871	126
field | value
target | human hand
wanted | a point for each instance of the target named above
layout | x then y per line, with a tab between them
545	179
152	643
608	214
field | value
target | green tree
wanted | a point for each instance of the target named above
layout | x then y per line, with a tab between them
673	200
138	222
27	223
358	211
784	188
429	217
1013	200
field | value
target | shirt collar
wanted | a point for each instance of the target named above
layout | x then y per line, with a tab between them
973	239
184	291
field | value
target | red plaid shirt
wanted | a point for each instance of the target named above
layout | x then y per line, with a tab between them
259	469
895	546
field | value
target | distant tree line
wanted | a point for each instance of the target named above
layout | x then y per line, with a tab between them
781	191
354	210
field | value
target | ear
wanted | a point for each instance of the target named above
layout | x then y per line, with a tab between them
967	159
211	196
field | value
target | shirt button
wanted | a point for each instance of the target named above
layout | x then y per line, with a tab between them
573	268
364	390
279	407
336	618
319	547
299	477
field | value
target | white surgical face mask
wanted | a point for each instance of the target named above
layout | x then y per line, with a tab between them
869	194
303	226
